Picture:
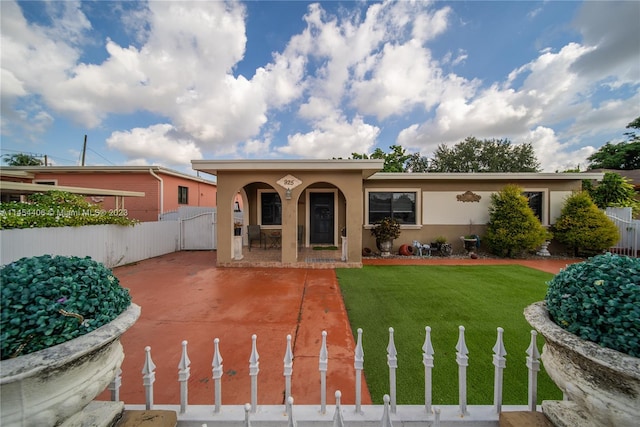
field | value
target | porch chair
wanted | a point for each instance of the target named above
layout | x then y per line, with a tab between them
254	232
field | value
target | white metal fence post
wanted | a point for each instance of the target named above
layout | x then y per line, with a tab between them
463	361
216	370
148	378
338	421
253	372
533	364
324	361
386	417
290	422
184	372
288	370
358	363
247	410
499	361
114	386
427	361
392	361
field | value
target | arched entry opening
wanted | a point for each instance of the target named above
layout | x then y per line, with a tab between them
322	220
261	222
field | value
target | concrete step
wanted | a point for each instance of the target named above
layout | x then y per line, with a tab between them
524	419
151	418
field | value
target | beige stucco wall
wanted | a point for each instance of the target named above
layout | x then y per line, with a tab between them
441	214
348	210
438	210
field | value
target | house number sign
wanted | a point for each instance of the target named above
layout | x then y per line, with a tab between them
289	182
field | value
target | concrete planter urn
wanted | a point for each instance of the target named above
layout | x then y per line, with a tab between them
602	385
47	387
385	247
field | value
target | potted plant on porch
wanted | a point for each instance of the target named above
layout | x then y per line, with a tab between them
590	320
385	231
62	318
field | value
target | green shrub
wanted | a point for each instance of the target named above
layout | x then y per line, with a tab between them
58	209
584	228
599	300
513	228
613	191
49	300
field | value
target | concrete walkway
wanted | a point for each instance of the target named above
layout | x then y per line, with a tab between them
185	297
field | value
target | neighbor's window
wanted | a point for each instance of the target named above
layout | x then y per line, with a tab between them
183	195
398	205
271	209
535	202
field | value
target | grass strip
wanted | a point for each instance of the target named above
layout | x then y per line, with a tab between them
480	298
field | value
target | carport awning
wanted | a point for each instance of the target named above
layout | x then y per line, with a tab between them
367	166
28	188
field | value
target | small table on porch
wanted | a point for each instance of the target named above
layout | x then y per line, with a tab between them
273	239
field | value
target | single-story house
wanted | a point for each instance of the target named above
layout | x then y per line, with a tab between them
316	202
164	189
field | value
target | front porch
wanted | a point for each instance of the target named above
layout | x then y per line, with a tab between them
308	257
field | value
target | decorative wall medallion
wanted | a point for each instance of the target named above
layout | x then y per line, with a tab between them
468	196
289	182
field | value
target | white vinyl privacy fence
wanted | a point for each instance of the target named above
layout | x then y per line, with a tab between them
112	245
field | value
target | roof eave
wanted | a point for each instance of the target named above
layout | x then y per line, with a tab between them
366	166
489	176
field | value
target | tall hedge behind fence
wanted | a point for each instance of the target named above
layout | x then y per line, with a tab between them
112	245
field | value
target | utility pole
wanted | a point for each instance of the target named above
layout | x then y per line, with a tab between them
84	149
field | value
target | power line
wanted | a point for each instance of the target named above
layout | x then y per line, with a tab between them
101	156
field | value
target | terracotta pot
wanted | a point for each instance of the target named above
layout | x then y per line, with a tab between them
406	250
46	387
603	385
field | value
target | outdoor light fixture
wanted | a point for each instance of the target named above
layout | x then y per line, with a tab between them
237	207
287	194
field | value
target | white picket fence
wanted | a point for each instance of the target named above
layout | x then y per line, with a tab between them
112	245
384	415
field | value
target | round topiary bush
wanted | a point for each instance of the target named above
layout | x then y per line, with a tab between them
49	300
599	300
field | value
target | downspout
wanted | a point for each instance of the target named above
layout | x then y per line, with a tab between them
161	191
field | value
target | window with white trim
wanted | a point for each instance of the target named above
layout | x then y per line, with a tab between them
400	205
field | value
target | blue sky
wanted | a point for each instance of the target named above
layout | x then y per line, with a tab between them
166	82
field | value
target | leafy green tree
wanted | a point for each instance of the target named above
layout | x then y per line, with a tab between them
394	161
21	159
417	163
584	228
513	228
621	156
488	155
613	191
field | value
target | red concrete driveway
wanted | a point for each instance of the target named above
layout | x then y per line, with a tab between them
185	297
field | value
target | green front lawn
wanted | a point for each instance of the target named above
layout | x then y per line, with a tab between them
480	298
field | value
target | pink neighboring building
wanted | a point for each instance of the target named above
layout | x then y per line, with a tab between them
165	189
